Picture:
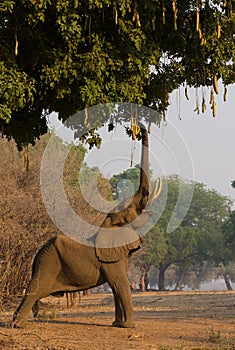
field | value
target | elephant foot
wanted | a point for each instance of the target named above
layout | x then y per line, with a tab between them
127	324
18	323
117	324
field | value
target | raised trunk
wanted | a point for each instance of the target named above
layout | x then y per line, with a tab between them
144	187
125	213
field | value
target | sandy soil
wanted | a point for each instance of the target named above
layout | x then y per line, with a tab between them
164	321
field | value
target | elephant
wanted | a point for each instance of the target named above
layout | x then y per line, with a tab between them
65	265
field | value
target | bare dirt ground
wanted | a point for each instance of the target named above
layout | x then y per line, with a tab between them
165	321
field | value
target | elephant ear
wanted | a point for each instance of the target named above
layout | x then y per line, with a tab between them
116	243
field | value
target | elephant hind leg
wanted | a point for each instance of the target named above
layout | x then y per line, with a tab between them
38	289
21	314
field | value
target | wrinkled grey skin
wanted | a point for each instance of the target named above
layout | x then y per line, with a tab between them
64	265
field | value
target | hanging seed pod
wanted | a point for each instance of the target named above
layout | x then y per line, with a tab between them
214	109
175	11
175	20
134	11
16	45
229	9
154	23
200	33
197	20
115	15
138	20
86	117
218	31
196	109
215	84
135	129
212	97
203	41
133	136
163	15
186	92
203	105
225	94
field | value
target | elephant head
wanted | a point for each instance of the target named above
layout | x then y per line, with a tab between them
117	236
116	243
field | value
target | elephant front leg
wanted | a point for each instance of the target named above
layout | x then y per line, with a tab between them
119	316
116	275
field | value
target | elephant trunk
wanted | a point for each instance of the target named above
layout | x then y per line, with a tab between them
144	186
125	213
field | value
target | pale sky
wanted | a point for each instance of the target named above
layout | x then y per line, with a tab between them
197	147
211	141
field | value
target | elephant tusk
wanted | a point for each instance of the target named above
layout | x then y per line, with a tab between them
156	192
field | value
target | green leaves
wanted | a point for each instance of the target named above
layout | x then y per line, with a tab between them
78	54
16	89
7	6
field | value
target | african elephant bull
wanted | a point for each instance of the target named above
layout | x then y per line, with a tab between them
64	265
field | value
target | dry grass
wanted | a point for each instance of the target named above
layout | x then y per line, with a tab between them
164	321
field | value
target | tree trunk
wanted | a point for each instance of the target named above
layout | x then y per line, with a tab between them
179	284
144	280
142	286
161	278
227	282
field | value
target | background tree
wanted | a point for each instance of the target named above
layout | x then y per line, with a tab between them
24	222
65	56
187	275
198	239
126	183
227	273
227	267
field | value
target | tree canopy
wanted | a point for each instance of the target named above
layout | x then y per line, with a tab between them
66	56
